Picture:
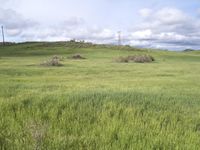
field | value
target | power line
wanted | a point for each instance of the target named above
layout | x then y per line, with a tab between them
3	35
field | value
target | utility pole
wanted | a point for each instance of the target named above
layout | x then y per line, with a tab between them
3	35
119	38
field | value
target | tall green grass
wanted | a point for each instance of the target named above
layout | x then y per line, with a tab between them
100	120
97	103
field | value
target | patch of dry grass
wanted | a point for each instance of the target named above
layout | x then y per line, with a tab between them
54	61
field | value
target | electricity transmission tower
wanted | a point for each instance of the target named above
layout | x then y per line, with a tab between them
3	38
119	38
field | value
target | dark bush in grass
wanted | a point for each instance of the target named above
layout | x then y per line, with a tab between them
152	58
188	50
137	59
77	56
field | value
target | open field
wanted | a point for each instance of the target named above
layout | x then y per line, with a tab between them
97	103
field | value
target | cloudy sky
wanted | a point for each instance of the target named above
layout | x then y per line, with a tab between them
171	24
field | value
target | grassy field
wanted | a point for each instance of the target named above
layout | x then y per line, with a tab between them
97	103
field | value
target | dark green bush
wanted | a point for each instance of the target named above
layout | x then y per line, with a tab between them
137	59
77	56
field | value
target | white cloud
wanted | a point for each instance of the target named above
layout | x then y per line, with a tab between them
73	21
145	12
171	36
69	31
13	32
143	34
198	12
170	16
162	28
140	43
13	22
167	28
73	27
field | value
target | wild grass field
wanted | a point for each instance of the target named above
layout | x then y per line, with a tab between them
97	103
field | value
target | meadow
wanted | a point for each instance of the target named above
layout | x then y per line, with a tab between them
97	103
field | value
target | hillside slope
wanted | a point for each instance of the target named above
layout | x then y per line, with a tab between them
98	103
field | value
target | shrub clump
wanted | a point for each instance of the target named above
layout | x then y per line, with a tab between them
77	56
143	59
54	61
137	59
122	60
60	58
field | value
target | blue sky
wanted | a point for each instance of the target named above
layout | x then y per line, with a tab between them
172	24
